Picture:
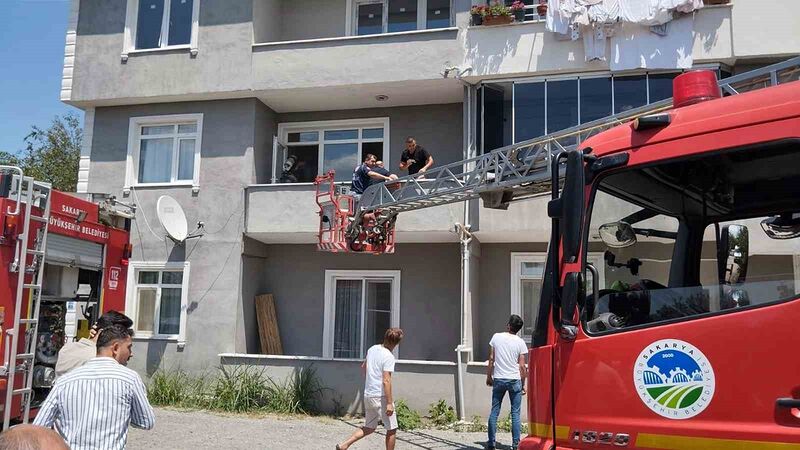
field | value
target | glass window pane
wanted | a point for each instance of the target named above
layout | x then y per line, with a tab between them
379	295
187	128
155	161
402	15
372	133
343	158
148	277
347	320
661	85
376	326
438	15
532	269
186	159
528	111
148	23
180	22
339	135
562	105
595	98
160	129
172	278
531	291
306	136
629	93
370	19
169	316
146	309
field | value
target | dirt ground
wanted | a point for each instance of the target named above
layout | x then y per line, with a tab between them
192	430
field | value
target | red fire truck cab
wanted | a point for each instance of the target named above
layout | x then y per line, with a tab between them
671	298
84	274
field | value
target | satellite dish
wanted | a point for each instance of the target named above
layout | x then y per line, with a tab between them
172	218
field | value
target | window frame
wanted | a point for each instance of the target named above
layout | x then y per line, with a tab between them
132	303
329	327
284	129
517	258
351	25
131	25
134	148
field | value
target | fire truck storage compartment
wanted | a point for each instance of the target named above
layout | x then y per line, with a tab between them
64	250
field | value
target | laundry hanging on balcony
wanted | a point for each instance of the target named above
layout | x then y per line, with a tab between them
641	32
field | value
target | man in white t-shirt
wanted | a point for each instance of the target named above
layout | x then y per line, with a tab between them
378	400
507	372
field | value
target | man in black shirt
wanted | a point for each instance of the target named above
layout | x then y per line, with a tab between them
365	174
415	158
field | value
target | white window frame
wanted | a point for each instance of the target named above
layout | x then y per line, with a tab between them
351	23
131	18
132	303
284	129
330	308
134	146
517	258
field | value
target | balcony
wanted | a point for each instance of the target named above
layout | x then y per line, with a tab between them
287	214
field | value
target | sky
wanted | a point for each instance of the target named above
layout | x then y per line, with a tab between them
32	37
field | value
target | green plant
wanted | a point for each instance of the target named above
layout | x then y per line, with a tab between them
497	9
505	425
407	418
241	389
177	388
441	414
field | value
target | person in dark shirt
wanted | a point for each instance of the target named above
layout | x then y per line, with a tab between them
366	173
378	167
415	158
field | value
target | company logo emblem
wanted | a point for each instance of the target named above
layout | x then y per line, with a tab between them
674	379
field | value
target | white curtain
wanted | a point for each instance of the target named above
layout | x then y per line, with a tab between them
155	160
347	322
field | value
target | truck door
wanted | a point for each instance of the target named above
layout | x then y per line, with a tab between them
672	352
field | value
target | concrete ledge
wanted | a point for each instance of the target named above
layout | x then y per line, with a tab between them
345	39
259	357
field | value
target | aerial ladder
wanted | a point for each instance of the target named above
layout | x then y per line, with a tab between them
31	214
499	177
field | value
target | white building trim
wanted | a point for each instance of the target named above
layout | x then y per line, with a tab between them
69	50
129	35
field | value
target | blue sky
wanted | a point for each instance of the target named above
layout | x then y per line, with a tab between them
32	34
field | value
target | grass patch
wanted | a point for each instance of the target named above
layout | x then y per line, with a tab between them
441	414
237	390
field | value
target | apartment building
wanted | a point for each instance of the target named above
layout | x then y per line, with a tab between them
203	100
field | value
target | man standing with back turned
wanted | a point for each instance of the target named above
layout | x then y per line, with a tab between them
378	399
94	404
507	373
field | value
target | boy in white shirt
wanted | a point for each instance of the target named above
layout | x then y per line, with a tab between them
378	400
507	373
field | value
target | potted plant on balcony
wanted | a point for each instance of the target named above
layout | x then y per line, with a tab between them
518	9
541	8
497	14
477	12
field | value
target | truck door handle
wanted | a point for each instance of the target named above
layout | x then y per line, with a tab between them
788	402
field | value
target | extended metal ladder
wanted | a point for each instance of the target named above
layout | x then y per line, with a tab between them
34	195
519	171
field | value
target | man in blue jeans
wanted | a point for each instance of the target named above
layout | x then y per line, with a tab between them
507	372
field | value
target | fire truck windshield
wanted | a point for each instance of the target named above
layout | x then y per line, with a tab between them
703	235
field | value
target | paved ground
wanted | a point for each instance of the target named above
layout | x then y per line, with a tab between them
181	430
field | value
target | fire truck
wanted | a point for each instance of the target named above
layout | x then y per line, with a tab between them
63	262
694	344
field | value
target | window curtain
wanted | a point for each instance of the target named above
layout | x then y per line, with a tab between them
169	321
347	322
155	161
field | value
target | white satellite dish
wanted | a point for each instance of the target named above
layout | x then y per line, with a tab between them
172	218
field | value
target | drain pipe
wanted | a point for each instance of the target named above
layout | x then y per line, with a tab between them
465	237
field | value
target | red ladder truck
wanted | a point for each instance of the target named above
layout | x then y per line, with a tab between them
59	255
693	206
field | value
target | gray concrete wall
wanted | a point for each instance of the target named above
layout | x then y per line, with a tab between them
419	385
226	167
266	20
312	19
429	295
438	128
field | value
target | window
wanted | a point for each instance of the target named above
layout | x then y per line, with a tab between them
527	274
164	150
314	148
157	297
359	307
550	105
392	16
667	253
161	24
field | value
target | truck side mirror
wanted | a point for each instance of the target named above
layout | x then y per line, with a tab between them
574	288
572	207
733	254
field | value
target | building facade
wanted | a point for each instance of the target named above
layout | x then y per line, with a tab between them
203	100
